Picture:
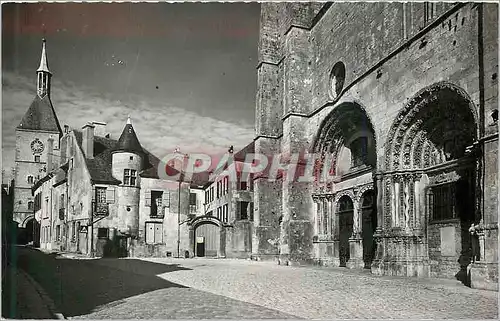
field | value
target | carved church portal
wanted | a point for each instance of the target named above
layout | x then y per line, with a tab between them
431	148
369	224
207	240
346	214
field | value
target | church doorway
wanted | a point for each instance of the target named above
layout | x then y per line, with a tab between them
368	226
346	215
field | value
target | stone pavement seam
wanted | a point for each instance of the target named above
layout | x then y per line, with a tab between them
45	297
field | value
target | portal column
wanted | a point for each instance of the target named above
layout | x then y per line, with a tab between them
356	241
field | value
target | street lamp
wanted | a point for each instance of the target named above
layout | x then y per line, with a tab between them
181	177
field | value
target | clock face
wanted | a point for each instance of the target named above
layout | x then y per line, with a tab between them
37	146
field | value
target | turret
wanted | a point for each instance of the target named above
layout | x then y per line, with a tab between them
127	160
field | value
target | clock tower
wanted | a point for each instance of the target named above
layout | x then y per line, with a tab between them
37	135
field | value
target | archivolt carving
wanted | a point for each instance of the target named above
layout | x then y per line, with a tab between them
398	147
362	190
348	192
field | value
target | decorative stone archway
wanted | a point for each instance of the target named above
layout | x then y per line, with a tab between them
428	149
208	220
346	138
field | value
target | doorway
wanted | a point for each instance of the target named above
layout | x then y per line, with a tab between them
369	224
207	238
346	214
200	246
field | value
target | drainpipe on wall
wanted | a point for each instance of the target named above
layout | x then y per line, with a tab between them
91	230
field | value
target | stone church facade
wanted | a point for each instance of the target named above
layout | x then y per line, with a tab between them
403	97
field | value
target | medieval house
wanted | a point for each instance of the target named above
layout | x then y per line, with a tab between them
403	97
92	194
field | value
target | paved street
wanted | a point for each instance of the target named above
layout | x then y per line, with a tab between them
334	292
204	288
128	289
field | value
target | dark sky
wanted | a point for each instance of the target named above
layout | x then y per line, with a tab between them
185	72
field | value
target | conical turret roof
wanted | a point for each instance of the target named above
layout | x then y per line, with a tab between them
128	141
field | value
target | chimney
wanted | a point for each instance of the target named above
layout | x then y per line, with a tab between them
88	140
100	128
50	152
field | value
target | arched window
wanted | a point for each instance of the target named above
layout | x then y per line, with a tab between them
30	179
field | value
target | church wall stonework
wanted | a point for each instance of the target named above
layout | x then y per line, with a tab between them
390	53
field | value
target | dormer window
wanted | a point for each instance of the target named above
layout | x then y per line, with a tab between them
129	177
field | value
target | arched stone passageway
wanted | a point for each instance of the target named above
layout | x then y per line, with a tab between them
347	145
30	232
428	184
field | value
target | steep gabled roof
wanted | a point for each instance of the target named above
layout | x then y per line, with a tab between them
41	116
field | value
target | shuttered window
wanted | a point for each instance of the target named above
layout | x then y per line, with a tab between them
154	233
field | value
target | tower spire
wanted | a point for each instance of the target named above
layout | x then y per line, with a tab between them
44	66
43	74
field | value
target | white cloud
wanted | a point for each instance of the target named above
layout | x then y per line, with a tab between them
159	126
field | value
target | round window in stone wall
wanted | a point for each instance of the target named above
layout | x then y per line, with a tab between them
337	77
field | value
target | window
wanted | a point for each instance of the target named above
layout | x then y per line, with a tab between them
441	202
225	213
71	163
58	232
102	233
129	177
73	229
30	179
156	203
243	185
154	233
219	215
206	197
243	209
37	159
226	184
30	205
211	194
192	203
61	205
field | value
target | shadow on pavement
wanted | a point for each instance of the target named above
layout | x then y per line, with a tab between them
77	287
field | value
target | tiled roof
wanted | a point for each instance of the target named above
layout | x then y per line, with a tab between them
128	140
241	155
100	166
40	116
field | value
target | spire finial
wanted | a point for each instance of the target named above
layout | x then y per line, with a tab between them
129	122
44	66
